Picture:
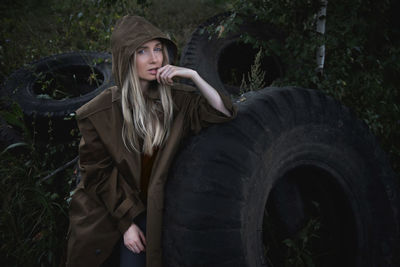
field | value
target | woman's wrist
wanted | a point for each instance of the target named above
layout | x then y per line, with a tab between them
195	77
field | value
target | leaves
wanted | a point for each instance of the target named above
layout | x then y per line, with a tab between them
13	146
256	77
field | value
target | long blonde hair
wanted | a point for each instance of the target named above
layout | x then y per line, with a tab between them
143	117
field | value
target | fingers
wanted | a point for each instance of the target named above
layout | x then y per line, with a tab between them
138	246
165	74
159	72
133	239
143	238
135	246
132	247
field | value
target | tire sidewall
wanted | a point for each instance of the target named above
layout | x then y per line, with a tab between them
283	156
19	86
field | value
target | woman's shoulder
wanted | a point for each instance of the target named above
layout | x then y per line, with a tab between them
101	102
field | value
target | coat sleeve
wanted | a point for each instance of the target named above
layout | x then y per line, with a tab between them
200	114
102	180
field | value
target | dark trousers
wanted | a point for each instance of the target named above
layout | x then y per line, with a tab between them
123	255
127	258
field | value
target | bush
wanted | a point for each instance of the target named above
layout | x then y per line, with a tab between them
33	216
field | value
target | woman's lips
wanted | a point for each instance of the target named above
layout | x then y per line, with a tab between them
153	71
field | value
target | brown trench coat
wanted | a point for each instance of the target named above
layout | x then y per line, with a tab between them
107	199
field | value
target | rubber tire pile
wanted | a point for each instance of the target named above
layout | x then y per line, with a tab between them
291	155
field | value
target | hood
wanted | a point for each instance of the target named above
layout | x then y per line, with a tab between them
129	33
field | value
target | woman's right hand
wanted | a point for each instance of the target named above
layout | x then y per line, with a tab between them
134	239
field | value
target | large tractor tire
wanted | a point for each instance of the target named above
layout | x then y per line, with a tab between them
223	61
294	179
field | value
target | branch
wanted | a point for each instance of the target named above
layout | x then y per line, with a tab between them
60	169
321	19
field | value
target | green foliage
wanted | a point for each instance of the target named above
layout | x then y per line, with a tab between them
255	79
61	84
33	216
362	55
34	29
301	249
15	117
300	246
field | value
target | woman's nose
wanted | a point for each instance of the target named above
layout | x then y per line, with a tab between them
153	56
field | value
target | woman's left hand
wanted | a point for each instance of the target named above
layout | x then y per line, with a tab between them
166	73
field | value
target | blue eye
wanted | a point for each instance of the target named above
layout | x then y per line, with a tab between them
141	51
158	49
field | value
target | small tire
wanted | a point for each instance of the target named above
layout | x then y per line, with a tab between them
219	197
223	61
52	88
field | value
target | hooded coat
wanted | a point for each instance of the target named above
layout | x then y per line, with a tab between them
107	199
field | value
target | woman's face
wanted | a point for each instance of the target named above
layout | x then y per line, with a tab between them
149	57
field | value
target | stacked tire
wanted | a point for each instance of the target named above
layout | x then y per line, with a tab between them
223	60
51	89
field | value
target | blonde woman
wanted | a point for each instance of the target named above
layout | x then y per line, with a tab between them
130	134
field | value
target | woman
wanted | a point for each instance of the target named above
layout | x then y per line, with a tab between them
130	134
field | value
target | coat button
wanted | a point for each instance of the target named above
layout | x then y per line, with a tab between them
97	251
